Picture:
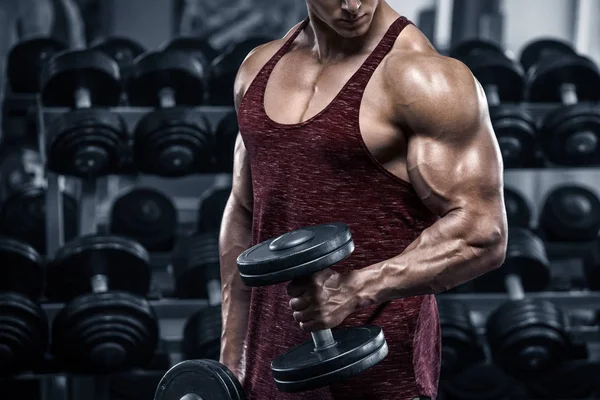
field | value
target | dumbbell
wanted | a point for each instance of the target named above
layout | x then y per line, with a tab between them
461	347
502	80
88	141
202	335
23	323
199	379
570	213
147	216
527	337
26	60
174	140
330	356
107	325
518	210
571	134
23	216
123	50
225	138
198	47
224	68
212	208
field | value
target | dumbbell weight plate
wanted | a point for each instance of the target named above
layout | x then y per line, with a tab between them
123	50
302	368
498	70
26	60
572	135
147	216
571	213
173	142
479	382
66	72
516	133
21	268
544	79
154	71
195	262
124	262
544	48
200	380
518	211
202	334
212	208
470	48
226	135
102	332
23	216
198	47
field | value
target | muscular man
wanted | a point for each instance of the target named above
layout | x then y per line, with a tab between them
354	117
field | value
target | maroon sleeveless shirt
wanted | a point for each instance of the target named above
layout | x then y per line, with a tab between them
320	171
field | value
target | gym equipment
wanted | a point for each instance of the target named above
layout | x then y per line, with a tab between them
123	50
224	68
502	80
199	379
202	334
174	140
571	134
591	263
479	382
107	325
573	380
518	212
460	344
226	135
23	323
86	142
26	60
527	337
571	214
147	216
330	356
212	208
200	48
543	48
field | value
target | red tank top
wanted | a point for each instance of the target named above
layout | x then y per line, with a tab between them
320	171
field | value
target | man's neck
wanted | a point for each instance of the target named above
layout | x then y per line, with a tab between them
331	47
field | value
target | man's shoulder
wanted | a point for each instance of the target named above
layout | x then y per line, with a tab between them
414	67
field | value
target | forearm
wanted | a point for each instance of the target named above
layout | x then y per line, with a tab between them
235	237
455	249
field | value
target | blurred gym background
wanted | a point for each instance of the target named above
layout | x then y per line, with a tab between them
117	119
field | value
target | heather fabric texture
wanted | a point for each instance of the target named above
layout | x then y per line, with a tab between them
320	171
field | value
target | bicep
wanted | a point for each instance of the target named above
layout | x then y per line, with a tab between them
454	161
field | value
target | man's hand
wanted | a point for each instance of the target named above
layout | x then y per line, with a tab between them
322	301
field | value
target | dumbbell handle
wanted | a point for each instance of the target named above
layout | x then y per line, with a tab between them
568	94
491	92
99	283
323	339
167	98
514	287
83	99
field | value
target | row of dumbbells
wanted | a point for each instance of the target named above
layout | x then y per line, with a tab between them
549	71
527	338
107	324
210	72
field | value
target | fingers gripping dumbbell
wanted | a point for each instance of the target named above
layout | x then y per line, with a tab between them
461	347
87	142
571	214
330	356
174	140
23	323
196	272
527	337
107	325
558	74
502	80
